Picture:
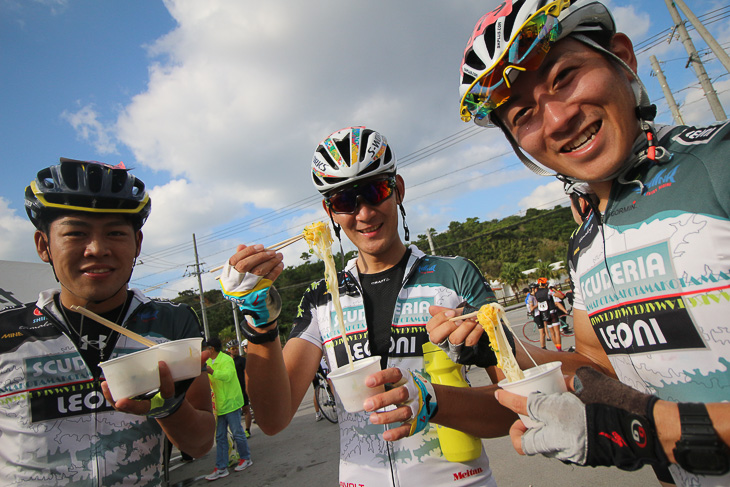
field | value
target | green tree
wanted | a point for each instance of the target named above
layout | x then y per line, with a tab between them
543	269
511	274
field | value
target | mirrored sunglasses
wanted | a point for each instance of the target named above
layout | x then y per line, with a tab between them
526	52
371	192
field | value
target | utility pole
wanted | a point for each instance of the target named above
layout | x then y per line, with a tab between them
722	56
694	60
667	92
430	241
200	287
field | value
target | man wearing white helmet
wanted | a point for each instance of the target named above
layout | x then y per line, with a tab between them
649	263
385	293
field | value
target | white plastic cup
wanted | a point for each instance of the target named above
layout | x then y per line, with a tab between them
132	374
350	385
546	378
182	357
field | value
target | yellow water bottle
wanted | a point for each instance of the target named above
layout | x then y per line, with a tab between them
456	445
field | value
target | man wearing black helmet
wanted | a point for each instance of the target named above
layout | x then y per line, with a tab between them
649	263
385	293
60	424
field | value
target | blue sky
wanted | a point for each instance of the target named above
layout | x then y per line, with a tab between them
218	106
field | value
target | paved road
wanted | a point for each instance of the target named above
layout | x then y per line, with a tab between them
306	454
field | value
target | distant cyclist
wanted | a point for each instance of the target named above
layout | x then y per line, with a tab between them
560	299
547	314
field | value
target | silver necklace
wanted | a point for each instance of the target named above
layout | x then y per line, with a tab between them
80	333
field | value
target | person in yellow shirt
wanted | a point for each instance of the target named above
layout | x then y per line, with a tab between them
228	400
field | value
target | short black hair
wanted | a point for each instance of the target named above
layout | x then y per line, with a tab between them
215	343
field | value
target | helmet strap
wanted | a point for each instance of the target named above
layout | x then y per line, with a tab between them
406	231
337	229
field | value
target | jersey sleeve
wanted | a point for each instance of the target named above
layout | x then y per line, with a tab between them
474	288
190	324
710	146
306	325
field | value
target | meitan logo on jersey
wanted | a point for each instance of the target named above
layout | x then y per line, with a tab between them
643	310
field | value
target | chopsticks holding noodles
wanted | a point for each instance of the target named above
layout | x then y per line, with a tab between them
465	317
276	246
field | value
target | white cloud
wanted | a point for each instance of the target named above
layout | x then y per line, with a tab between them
240	92
88	128
545	197
695	108
632	22
16	235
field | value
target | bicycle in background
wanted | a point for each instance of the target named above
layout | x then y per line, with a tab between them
532	334
325	397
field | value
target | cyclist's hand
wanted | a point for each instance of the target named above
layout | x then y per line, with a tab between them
247	279
572	427
141	407
255	259
392	397
458	333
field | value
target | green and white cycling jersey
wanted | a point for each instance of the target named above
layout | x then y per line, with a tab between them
56	428
366	460
654	276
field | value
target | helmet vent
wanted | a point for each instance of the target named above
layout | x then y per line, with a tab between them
94	176
344	147
69	176
363	143
119	178
509	20
489	33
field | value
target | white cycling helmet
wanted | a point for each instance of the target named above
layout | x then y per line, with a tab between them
348	155
493	44
494	33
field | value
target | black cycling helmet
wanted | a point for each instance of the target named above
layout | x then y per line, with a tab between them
86	186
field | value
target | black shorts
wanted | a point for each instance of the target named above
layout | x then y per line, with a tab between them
545	317
245	399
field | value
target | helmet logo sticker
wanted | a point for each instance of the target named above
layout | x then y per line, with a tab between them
355	145
319	167
332	149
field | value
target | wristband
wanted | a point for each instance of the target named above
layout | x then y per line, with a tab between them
162	408
256	337
421	400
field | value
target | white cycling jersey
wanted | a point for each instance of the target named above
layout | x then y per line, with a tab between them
366	460
654	275
56	428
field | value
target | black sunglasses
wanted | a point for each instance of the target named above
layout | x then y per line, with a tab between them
372	192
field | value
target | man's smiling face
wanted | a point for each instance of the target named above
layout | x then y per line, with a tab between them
575	114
